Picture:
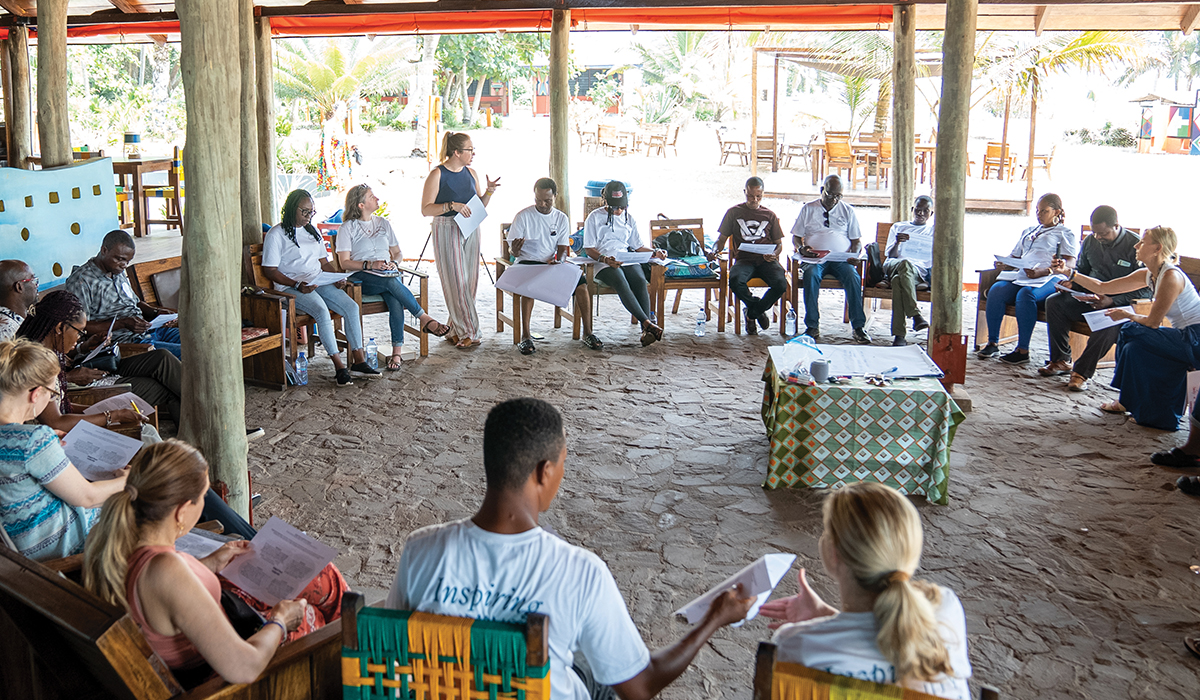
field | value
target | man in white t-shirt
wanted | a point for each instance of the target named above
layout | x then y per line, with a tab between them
499	565
541	235
829	225
907	260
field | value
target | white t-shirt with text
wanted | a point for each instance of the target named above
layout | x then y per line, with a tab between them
918	249
300	261
844	644
834	237
463	570
613	237
367	240
542	233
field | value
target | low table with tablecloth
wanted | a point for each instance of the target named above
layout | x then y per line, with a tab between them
828	435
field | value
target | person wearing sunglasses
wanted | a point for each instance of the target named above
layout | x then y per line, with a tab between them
448	191
46	506
18	292
829	225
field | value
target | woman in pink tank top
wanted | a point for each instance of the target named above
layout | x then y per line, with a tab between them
130	560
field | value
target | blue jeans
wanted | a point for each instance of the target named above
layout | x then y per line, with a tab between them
395	295
1026	299
1151	372
165	338
845	273
319	303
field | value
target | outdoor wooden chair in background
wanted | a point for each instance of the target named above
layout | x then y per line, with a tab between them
779	680
660	284
736	149
587	139
1042	161
400	653
999	158
882	160
803	151
172	193
839	157
504	262
610	139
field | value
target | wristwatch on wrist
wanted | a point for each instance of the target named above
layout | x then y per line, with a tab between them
297	285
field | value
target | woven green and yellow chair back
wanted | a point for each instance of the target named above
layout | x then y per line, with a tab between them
779	680
434	657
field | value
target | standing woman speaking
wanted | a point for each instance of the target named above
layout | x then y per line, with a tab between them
447	190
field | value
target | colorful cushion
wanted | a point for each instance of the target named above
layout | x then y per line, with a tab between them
691	267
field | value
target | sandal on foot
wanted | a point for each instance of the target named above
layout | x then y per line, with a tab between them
464	343
1191	486
1112	407
651	334
393	363
1176	458
526	347
593	342
439	329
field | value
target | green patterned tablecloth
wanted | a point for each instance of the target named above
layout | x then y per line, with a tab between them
828	435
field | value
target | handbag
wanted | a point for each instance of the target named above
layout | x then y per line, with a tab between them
105	361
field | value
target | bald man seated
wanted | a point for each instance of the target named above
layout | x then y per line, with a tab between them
18	292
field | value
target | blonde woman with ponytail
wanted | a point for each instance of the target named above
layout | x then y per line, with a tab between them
175	598
1153	362
892	629
448	189
46	506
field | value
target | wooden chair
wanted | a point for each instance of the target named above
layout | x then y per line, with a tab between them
875	297
60	642
504	262
839	156
768	153
296	320
1042	161
735	304
369	304
732	148
803	151
262	353
883	161
172	192
660	284
795	273
608	138
779	680
587	139
999	158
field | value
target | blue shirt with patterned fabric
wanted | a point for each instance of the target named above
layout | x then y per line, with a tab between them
40	524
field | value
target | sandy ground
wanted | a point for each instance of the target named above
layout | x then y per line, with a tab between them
1070	552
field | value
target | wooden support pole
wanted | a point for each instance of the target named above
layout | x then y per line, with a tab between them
6	83
754	111
958	55
904	109
560	54
19	132
1033	100
775	119
54	127
214	400
264	62
251	209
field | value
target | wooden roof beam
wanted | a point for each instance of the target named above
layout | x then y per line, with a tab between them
129	7
1191	18
1040	15
18	7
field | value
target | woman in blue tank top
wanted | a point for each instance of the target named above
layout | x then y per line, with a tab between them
448	189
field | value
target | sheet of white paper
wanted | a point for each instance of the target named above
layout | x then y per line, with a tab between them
857	360
118	402
581	260
323	278
828	257
757	248
758	579
553	284
162	320
98	452
1099	320
1025	281
1022	263
200	543
101	347
633	257
281	562
478	213
1193	385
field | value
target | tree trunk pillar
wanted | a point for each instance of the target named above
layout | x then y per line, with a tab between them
54	127
264	63
251	209
958	53
904	109
214	411
560	28
19	129
1033	100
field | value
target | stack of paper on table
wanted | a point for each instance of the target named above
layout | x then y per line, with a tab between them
905	362
281	562
757	579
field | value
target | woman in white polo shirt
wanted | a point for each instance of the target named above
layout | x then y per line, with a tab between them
367	244
293	256
609	231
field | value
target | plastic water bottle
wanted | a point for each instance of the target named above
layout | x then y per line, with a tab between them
701	322
789	326
301	370
372	354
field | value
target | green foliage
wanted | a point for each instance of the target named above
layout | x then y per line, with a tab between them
855	91
496	121
1119	137
110	90
325	72
606	93
659	104
306	159
450	118
520	94
389	116
283	126
705	112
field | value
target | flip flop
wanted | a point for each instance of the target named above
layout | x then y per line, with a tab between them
464	343
1189	485
394	363
439	329
1113	407
1176	458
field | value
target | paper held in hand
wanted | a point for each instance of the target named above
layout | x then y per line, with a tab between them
757	248
829	257
98	452
127	400
281	562
468	224
1023	263
1099	320
553	284
758	579
633	257
162	320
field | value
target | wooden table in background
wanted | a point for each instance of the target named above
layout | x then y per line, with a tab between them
131	172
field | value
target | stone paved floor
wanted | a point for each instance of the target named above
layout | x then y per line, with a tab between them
1069	551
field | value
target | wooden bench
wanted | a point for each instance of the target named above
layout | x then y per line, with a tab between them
262	357
872	295
60	642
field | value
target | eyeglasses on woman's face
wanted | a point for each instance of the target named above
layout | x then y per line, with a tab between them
306	211
55	393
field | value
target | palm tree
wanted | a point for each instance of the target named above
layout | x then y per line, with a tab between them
328	71
1172	53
